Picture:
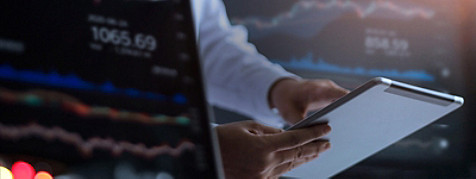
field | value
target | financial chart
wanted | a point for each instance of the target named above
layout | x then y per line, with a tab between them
350	42
103	89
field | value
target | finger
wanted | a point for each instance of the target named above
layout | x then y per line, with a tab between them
293	114
329	93
337	92
298	153
286	167
317	103
294	138
320	93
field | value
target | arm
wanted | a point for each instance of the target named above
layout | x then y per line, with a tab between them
237	76
242	80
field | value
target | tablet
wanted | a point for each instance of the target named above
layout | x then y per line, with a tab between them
370	118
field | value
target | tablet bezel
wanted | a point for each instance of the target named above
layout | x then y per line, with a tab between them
438	96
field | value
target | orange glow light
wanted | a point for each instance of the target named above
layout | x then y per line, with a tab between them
82	109
43	175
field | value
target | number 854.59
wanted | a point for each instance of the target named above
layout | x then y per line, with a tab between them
124	38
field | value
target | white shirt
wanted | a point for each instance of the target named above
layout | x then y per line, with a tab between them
237	77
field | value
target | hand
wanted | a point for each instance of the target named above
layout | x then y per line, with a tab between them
294	98
252	150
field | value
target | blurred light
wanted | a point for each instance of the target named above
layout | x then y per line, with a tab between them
83	109
43	175
441	126
8	97
445	72
23	170
5	173
164	175
32	100
444	143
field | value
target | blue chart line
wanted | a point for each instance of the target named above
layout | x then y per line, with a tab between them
308	63
74	82
307	18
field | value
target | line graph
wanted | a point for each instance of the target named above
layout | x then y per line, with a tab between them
68	104
308	63
87	146
440	143
435	145
73	81
306	18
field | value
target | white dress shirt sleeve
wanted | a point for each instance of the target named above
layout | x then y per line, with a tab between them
237	77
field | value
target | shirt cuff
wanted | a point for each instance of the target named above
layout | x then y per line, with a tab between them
213	125
270	116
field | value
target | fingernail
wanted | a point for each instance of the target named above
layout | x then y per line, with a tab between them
327	129
327	146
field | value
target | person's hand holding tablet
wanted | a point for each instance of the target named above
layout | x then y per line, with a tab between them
252	150
295	98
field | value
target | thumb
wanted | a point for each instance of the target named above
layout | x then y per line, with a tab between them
336	92
293	114
325	95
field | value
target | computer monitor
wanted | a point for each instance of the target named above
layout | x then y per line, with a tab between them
471	73
102	89
352	41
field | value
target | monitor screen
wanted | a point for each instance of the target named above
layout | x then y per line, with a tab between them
352	41
103	88
471	73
